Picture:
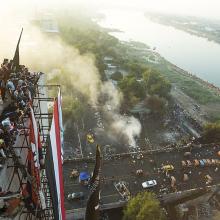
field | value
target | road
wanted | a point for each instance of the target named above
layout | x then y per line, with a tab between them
124	169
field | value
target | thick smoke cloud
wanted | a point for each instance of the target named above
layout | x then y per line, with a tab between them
46	53
49	54
121	128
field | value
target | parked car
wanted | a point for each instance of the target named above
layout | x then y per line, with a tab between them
123	190
167	168
149	184
201	162
77	195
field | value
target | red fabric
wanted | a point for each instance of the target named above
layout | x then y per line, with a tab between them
33	167
58	141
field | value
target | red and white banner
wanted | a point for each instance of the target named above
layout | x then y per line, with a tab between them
34	139
33	160
56	146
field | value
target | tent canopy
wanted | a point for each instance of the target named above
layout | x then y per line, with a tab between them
84	176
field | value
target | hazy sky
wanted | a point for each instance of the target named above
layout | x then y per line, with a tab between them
194	7
207	8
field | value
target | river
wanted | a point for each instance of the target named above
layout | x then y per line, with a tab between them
191	53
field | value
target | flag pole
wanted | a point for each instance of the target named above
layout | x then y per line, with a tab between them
16	59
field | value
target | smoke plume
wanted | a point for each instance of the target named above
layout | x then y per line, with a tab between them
49	54
121	128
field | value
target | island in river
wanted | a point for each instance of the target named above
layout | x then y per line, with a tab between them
202	27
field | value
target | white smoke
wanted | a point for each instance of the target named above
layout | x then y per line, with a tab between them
113	97
128	126
51	55
120	126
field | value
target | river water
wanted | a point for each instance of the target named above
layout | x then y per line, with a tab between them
191	53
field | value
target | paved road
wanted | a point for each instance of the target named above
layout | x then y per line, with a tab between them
124	169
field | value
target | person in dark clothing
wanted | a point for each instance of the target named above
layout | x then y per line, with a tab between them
2	148
2	85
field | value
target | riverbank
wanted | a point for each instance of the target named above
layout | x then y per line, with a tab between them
183	72
199	92
200	27
192	53
135	57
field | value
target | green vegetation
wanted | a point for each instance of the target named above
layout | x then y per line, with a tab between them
157	105
214	117
151	85
133	90
117	76
73	107
79	31
198	92
144	206
212	132
188	85
156	84
145	79
85	35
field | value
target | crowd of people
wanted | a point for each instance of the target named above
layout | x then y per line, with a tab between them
17	89
181	115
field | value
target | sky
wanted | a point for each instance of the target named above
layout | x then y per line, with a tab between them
204	8
197	7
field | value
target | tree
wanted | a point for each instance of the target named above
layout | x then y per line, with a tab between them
117	76
157	105
156	84
132	89
144	206
135	67
73	108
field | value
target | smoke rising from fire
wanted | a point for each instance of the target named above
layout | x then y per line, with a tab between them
49	54
121	128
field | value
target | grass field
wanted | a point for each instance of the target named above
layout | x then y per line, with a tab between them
191	87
